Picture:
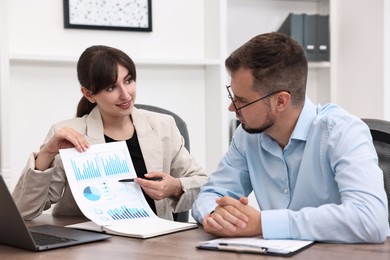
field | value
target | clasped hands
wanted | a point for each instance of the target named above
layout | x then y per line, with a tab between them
233	218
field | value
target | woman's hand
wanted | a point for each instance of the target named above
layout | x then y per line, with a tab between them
168	186
64	138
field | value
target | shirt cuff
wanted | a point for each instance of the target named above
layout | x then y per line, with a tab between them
275	224
203	206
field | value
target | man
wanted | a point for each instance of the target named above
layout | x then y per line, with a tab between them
313	169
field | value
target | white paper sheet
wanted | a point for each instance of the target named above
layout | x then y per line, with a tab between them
93	178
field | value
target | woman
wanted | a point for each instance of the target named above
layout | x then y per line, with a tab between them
106	113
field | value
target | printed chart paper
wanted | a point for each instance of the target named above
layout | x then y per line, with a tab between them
94	177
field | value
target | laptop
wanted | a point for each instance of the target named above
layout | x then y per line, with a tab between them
14	232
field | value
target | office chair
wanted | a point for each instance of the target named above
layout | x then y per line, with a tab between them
181	124
380	131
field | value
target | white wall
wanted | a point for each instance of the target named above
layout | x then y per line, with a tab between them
386	63
358	56
36	28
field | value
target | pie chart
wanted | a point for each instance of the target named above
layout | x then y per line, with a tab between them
91	193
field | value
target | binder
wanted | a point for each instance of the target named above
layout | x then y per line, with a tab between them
293	26
311	31
309	36
322	52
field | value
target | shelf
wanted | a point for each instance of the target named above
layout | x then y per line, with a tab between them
71	61
319	64
34	59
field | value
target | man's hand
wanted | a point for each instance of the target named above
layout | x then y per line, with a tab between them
233	218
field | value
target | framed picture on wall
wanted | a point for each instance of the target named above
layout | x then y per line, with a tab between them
123	15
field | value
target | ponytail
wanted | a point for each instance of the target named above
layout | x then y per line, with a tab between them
84	107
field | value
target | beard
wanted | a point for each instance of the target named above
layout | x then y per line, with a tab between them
270	121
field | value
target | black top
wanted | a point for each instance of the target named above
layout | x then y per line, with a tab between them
138	162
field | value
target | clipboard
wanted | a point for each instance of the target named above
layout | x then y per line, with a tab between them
257	245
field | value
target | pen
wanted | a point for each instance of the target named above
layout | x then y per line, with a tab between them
149	179
242	248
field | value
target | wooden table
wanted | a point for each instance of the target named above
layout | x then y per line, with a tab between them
180	245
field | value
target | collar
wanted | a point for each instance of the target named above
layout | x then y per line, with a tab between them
95	128
305	120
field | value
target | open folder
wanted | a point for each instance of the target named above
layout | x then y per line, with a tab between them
114	207
256	245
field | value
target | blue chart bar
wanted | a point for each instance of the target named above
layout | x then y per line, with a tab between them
127	213
115	165
88	170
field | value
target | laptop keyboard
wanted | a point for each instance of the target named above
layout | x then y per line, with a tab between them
46	239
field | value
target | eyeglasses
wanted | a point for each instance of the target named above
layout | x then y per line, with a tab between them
250	103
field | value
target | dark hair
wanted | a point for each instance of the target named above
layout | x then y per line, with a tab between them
97	69
277	62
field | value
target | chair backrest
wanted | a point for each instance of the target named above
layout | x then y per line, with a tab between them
380	131
181	124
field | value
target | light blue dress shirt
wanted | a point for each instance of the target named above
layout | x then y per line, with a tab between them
325	185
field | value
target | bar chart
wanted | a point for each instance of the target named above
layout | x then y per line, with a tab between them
87	169
113	164
124	212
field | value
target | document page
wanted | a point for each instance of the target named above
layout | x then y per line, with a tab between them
94	177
